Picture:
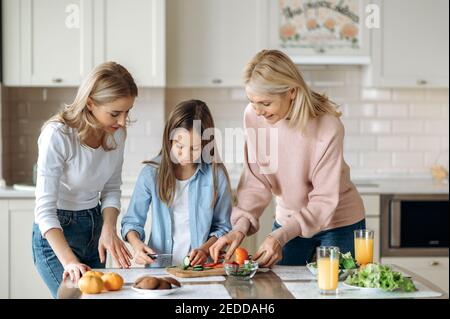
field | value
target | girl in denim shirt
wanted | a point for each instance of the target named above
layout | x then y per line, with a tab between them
188	189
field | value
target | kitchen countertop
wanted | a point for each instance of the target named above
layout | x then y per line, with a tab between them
298	283
366	186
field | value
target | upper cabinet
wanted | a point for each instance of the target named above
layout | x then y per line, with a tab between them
321	32
132	33
410	49
43	42
56	43
209	42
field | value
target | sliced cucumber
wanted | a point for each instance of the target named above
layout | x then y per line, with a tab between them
186	263
197	268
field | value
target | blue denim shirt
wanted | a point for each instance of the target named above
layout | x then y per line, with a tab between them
204	221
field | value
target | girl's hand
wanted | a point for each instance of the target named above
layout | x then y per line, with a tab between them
141	254
75	271
234	238
270	252
198	256
117	248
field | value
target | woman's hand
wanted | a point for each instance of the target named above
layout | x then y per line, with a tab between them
270	252
75	271
117	248
198	256
141	252
233	239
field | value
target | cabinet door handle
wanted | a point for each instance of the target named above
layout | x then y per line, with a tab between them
434	263
57	80
216	81
422	82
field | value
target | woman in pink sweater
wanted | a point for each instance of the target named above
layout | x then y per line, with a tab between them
294	151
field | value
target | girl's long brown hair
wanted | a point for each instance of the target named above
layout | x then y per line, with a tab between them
183	116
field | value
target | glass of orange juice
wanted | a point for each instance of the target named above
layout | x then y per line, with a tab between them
328	269
364	246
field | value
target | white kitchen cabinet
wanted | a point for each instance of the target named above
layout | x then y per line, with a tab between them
410	49
4	250
434	269
24	280
45	42
209	42
57	42
132	33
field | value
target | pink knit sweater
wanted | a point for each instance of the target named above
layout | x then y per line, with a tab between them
307	174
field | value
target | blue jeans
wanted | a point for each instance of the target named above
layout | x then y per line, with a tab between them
300	251
82	231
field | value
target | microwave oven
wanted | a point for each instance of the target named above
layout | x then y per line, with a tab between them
414	225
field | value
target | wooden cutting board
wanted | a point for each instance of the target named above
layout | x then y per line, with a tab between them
179	272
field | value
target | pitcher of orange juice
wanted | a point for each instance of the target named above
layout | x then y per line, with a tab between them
327	269
364	246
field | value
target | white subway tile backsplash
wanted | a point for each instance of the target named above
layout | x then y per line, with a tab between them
352	159
392	143
408	94
445	108
392	172
392	110
389	132
335	78
407	126
444	143
436	127
351	126
375	94
238	95
360	143
439	158
436	95
376	126
338	94
376	160
424	110
359	110
421	143
409	160
353	77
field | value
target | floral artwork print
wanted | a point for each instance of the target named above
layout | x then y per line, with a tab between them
320	25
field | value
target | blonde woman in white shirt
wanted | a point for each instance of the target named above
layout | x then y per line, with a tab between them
79	178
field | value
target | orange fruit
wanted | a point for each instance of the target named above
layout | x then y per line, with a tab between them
90	284
240	255
112	281
93	273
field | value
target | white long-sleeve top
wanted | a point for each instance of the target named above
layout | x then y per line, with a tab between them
72	176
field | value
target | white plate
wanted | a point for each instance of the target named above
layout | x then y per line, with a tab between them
156	292
365	289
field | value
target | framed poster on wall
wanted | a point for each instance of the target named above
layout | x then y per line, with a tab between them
320	28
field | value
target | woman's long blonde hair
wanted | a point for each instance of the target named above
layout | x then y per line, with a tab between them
273	72
106	83
183	116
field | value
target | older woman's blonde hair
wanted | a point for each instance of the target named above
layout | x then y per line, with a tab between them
106	83
272	72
